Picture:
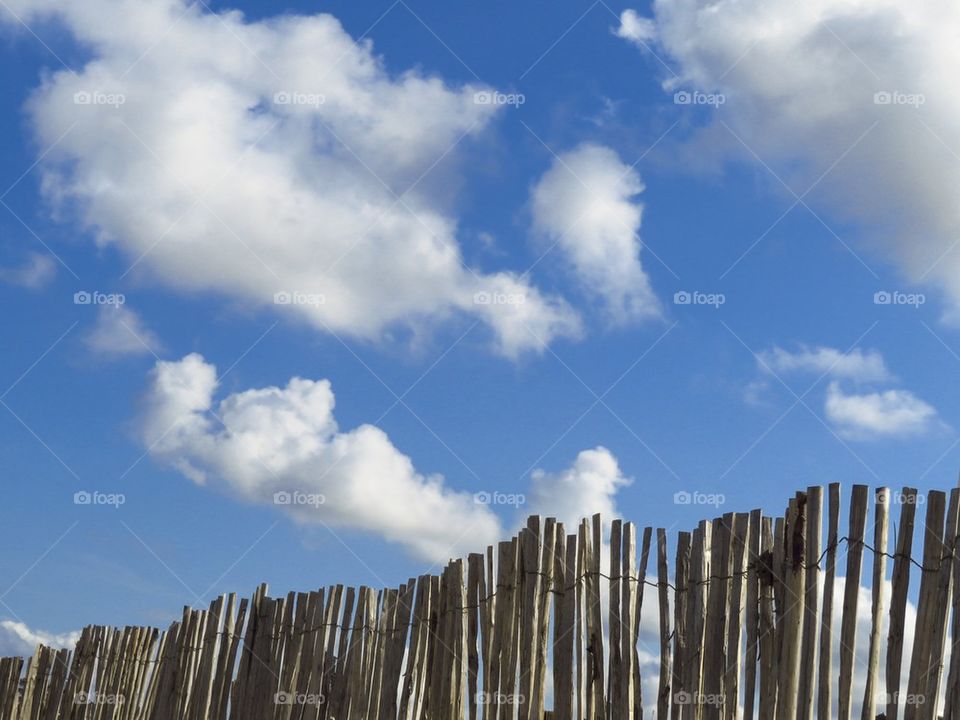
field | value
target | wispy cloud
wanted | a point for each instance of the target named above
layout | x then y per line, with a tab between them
857	365
120	331
869	411
36	272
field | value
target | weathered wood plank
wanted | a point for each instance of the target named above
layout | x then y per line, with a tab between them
881	515
564	589
900	586
738	550
769	655
813	529
630	589
663	580
920	659
715	625
752	618
679	688
792	615
614	623
944	577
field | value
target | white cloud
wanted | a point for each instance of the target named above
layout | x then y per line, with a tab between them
636	29
16	639
587	487
855	365
584	206
249	158
801	81
259	442
36	272
860	415
265	441
891	413
120	331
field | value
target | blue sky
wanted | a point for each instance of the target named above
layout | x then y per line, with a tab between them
677	396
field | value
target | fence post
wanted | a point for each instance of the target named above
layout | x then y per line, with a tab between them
932	552
880	540
851	594
745	631
792	616
738	550
813	529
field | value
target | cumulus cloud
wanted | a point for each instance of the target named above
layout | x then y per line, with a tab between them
120	331
283	446
37	271
855	365
891	413
584	206
17	639
587	487
635	28
871	411
856	97
277	162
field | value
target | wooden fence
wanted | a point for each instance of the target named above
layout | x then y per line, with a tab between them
538	628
